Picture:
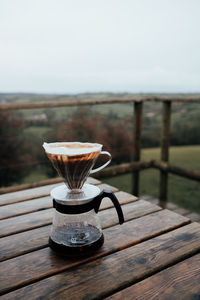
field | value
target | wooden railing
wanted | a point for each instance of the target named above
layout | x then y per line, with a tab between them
135	166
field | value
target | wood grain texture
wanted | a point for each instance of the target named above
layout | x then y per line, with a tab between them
172	97
123	198
181	281
20	208
131	211
26	186
169	168
26	222
43	262
106	275
104	186
17	209
44	217
24	195
27	194
142	165
24	242
107	217
33	220
124	168
37	238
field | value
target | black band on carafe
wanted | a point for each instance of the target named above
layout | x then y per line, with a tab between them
93	204
73	209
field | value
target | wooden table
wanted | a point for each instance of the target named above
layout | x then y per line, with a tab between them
153	255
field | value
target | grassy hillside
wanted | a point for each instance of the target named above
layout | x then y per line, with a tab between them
184	192
183	156
184	131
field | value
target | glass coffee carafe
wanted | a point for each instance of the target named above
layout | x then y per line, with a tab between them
76	229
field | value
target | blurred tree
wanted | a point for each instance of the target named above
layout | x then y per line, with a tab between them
11	160
86	127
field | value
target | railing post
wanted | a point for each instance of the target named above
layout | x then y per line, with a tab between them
165	137
136	144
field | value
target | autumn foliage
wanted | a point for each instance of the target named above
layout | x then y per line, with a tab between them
11	159
21	151
86	127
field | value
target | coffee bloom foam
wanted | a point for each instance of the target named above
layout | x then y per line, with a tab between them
71	148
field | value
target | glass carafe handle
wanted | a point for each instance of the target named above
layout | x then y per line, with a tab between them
114	200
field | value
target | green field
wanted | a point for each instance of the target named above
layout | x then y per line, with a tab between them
184	192
184	131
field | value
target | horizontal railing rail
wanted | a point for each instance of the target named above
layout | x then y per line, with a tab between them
116	170
75	102
142	165
136	165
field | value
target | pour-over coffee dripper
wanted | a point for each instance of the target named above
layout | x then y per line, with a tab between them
74	161
76	229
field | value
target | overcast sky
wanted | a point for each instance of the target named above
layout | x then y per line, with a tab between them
73	46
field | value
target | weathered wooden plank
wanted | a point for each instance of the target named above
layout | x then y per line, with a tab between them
51	181
27	186
17	209
30	240
166	167
42	218
193	217
132	210
24	242
105	186
43	262
74	102
21	208
123	198
26	222
34	193
142	165
181	281
179	210
27	194
37	238
148	97
124	168
106	275
92	180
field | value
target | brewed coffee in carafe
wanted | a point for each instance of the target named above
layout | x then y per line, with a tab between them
76	229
